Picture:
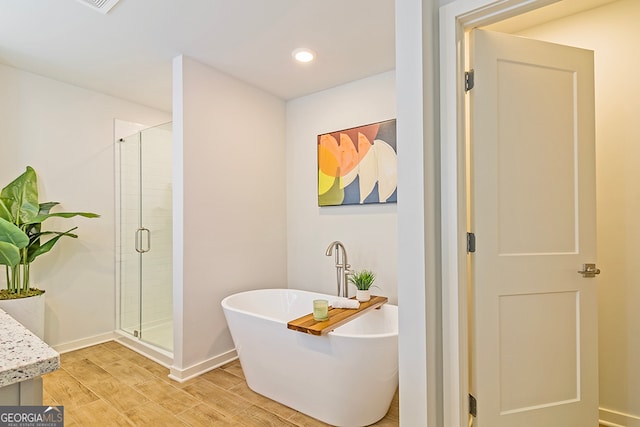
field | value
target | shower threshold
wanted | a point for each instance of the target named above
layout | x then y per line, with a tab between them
157	354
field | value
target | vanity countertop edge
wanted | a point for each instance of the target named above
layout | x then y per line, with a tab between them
23	355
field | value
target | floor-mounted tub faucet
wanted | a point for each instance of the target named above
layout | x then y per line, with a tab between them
342	267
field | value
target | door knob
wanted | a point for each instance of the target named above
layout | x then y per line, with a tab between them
589	270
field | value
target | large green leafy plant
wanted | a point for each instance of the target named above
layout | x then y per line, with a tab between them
22	239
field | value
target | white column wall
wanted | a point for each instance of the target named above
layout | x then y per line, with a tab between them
229	205
419	279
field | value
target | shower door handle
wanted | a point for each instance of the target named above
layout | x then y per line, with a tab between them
140	242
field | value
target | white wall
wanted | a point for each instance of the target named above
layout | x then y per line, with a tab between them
612	32
66	134
229	177
369	232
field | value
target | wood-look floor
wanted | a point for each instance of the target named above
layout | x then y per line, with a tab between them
111	385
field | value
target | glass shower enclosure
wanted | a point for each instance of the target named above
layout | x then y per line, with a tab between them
144	236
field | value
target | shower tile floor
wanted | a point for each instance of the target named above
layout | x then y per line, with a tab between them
111	385
160	336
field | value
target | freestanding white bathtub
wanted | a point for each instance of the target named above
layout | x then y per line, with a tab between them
345	378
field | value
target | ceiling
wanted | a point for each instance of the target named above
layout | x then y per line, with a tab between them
128	51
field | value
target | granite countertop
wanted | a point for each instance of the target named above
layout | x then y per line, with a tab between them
22	354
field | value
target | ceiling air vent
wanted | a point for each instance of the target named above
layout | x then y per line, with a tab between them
102	6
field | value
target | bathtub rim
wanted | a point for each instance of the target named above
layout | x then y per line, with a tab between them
225	305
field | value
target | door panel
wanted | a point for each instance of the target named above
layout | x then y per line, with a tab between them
145	226
536	159
551	319
532	209
156	324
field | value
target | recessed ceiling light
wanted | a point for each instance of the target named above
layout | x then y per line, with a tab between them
303	55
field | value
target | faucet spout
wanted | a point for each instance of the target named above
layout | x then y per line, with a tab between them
329	251
342	267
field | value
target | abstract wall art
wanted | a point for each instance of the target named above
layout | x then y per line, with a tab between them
358	165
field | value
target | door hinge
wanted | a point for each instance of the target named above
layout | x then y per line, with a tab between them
468	80
473	406
471	242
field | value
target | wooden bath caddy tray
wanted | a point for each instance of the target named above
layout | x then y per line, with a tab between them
337	317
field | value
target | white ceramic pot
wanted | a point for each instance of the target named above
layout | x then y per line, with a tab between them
28	311
363	296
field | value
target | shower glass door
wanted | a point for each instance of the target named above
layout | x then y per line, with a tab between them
145	236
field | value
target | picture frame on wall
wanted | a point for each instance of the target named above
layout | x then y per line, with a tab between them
358	166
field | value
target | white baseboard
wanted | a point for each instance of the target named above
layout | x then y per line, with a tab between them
157	355
84	342
611	418
182	375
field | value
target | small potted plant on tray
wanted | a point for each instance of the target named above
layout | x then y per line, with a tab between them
363	280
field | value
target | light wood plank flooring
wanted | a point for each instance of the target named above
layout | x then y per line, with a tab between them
111	385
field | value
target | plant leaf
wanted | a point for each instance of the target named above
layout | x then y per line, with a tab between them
20	197
46	207
9	254
41	218
363	280
5	211
44	233
10	233
36	249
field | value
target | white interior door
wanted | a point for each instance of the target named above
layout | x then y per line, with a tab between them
532	210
